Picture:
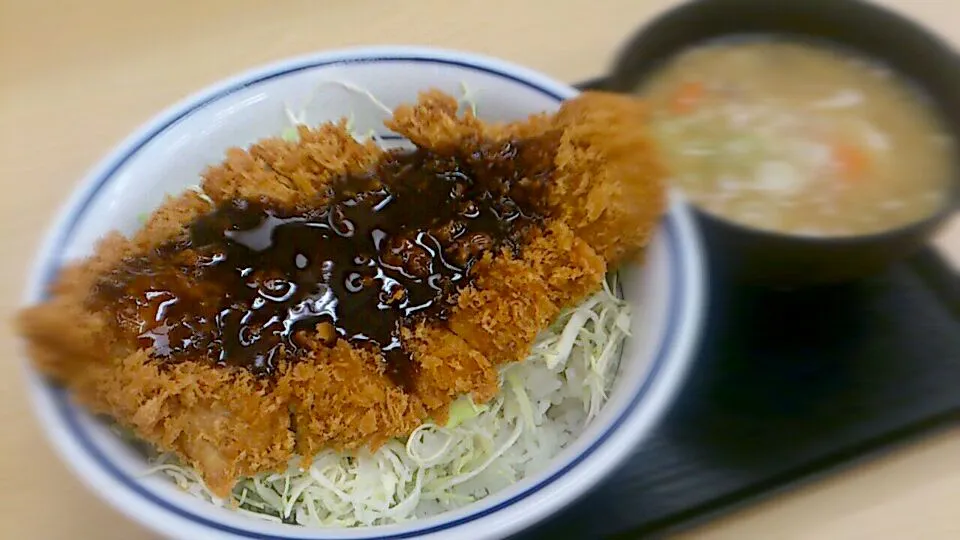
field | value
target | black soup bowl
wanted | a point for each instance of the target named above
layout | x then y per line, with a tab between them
781	259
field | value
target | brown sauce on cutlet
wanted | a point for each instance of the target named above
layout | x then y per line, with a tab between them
252	280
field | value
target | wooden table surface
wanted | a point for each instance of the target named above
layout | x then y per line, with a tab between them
77	76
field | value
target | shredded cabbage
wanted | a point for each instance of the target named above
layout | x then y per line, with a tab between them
544	404
462	410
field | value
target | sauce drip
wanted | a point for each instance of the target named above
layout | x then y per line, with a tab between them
252	282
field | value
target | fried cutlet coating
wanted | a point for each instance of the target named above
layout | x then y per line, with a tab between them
340	398
511	300
291	173
605	200
503	310
225	423
448	368
434	122
609	184
167	221
571	269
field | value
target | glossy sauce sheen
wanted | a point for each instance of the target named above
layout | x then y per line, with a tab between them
381	250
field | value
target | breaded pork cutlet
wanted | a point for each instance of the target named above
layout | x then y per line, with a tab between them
593	174
325	293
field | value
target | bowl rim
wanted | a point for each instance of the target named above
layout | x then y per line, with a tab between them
679	340
622	76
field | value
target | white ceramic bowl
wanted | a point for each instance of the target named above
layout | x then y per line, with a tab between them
166	155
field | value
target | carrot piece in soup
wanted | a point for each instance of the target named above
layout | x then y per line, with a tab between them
851	160
688	97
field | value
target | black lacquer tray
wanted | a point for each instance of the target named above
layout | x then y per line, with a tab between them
787	384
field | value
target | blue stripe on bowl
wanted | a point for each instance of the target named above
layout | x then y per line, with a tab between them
69	412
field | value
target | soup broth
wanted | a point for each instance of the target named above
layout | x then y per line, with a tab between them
799	138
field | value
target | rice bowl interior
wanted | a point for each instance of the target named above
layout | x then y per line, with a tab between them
387	487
